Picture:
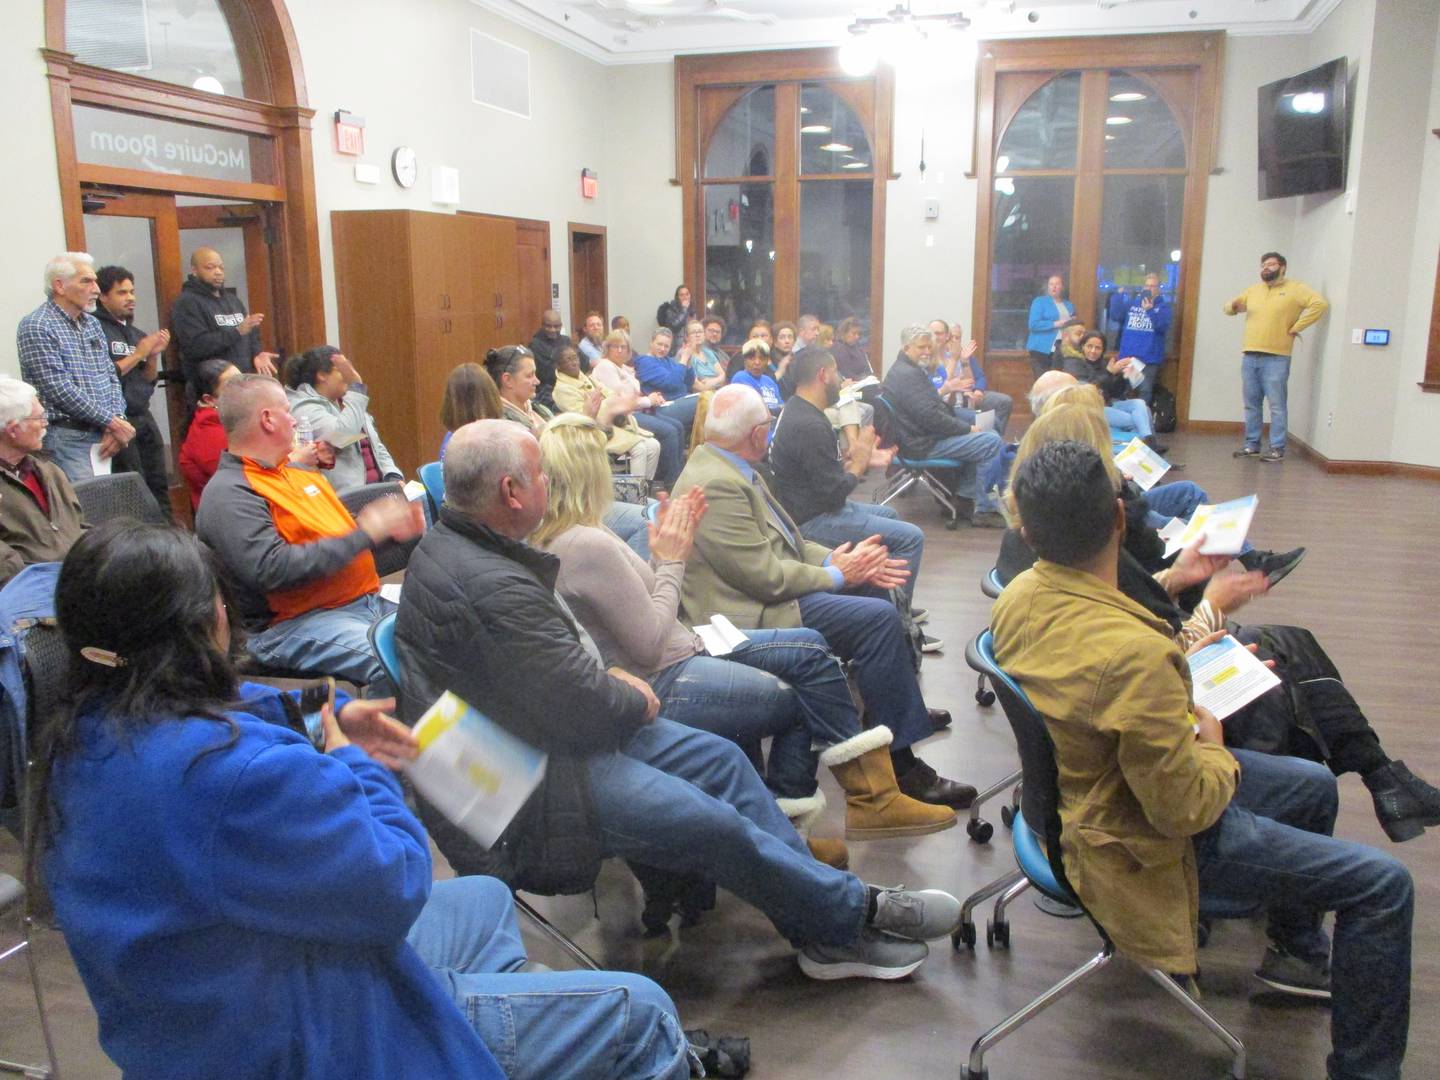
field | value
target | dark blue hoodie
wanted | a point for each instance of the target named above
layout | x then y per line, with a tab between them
1143	335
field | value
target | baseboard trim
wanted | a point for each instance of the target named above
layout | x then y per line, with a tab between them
1338	467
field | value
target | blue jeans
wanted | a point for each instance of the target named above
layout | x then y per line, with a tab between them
70	449
672	435
780	683
1146	389
1131	414
627	521
577	1024
1272	848
975	455
328	641
1264	376
1003	404
687	801
858	520
682	409
867	630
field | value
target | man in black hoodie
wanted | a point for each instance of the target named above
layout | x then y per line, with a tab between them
546	345
137	362
210	321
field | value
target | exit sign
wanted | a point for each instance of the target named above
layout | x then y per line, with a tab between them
349	133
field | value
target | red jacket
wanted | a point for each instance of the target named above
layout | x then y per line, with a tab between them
200	453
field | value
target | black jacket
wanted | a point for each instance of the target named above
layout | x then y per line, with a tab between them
924	419
810	479
122	337
1111	387
205	325
674	318
545	352
479	617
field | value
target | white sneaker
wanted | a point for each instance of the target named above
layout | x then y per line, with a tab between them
872	956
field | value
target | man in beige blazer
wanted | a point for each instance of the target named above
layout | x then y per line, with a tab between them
751	565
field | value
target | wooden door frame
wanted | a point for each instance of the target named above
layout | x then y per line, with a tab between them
1203	53
694	73
572	230
279	110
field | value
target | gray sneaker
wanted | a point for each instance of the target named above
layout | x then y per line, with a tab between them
1272	455
1247	451
873	956
1292	975
915	914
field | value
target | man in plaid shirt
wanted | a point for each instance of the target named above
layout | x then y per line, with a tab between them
63	355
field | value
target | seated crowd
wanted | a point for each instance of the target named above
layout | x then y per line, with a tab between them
299	930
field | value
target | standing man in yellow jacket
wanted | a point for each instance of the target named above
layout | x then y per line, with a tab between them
1276	310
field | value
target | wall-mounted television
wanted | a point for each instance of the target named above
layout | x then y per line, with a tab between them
1303	127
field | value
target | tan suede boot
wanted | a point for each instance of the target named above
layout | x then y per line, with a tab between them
875	808
803	814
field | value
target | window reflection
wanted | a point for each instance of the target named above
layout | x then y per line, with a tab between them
835	220
183	42
1045	132
739	255
1032	222
1140	234
744	141
1140	130
831	137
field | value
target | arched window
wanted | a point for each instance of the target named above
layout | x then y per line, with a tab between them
184	42
1097	174
784	195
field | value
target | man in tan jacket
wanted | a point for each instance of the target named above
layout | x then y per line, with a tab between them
39	513
751	564
1156	812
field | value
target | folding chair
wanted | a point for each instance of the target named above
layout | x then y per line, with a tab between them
12	898
116	496
432	475
382	640
912	469
1036	838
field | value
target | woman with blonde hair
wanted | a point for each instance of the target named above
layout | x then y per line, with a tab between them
781	683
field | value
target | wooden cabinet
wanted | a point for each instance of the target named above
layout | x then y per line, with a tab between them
418	294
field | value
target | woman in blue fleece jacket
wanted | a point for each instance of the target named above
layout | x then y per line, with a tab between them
240	904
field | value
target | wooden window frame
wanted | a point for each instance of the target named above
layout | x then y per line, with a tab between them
787	69
1200	53
278	109
1431	382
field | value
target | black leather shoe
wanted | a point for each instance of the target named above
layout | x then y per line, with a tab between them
921	782
939	719
1404	803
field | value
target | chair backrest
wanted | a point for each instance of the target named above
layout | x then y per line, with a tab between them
1040	796
432	475
382	640
389	557
991	585
118	495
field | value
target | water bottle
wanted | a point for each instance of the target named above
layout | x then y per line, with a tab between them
304	433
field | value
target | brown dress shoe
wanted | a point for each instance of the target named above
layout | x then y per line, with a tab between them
830	851
939	719
921	782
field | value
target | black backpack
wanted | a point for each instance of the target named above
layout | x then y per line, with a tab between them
1162	410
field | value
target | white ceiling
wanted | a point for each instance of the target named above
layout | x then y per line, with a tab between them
646	31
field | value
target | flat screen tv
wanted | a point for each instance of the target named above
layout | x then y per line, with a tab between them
1303	126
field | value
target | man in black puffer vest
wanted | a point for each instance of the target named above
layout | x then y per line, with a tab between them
479	616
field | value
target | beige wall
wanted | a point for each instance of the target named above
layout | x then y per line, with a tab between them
33	227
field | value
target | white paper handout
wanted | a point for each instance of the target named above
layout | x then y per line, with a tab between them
720	636
1135	371
414	490
852	392
475	772
99	466
391	592
984	421
1172	528
1227	677
1221	529
1141	464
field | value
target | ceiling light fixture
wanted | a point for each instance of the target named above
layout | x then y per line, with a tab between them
856	165
894	34
815	129
1116	121
837	148
1128	95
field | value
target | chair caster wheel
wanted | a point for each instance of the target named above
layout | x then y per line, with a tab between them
1007	815
997	934
985	697
951	524
979	830
964	935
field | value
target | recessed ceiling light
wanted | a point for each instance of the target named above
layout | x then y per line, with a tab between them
1115	121
804	109
815	129
1109	138
856	165
209	84
1128	95
837	148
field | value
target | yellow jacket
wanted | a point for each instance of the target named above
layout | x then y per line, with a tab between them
1135	782
1275	312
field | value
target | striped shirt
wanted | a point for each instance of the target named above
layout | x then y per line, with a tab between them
68	363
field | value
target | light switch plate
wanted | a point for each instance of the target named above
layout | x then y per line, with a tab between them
1357	337
367	174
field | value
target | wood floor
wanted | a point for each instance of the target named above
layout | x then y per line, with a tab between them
1368	588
